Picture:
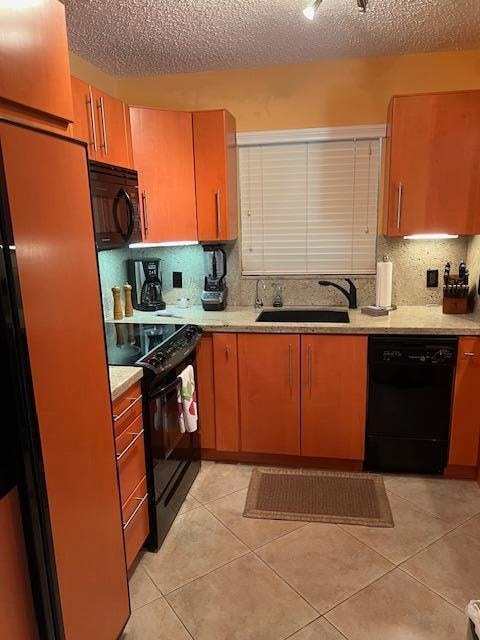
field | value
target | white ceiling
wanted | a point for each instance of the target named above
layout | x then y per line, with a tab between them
151	37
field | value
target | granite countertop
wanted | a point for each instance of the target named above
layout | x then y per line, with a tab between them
121	378
427	320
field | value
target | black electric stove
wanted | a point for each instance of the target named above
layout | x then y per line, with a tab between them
172	457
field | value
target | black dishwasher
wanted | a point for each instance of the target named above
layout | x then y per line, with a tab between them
410	382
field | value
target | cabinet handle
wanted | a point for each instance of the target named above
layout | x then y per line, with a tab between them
227	351
137	509
92	120
399	204
133	402
290	366
469	354
218	210
309	364
127	448
146	218
101	108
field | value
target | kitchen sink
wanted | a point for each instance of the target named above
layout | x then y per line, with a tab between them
303	315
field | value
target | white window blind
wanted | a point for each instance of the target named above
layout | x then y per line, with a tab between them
309	207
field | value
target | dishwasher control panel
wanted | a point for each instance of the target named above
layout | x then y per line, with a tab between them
426	355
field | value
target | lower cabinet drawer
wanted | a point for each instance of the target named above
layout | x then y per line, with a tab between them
130	458
132	502
136	531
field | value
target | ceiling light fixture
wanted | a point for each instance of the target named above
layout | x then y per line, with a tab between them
310	10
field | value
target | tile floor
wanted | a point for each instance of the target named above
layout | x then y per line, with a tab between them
220	576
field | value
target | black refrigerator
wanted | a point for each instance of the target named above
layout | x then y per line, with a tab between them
61	542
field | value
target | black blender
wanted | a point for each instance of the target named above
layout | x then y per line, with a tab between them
214	295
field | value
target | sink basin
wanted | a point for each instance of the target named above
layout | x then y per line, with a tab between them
303	315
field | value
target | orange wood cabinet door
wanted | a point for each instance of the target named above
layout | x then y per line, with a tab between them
465	425
215	148
17	615
111	130
34	66
225	362
269	383
334	395
206	392
84	126
163	156
46	176
432	166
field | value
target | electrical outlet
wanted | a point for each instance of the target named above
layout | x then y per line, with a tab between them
177	279
432	278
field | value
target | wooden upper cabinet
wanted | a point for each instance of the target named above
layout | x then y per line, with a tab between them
34	65
103	122
215	149
163	156
269	383
334	393
465	425
111	128
225	359
432	164
84	125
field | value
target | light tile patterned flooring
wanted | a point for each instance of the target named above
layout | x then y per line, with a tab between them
220	576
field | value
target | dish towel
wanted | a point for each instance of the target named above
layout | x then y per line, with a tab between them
187	401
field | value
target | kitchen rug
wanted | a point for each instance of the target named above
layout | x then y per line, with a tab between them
312	495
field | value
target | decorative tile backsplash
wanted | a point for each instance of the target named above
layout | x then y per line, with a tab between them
411	259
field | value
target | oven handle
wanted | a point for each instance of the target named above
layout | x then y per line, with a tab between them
169	387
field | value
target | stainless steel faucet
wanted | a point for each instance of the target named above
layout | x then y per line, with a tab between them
258	300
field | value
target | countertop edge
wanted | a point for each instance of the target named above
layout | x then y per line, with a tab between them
122	378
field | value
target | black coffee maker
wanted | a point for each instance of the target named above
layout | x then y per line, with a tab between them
146	280
214	295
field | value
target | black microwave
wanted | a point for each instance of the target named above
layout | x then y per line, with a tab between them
116	207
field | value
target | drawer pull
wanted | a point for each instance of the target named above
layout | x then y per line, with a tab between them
469	354
133	402
137	436
139	506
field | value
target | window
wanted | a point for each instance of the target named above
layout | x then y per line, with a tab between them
309	207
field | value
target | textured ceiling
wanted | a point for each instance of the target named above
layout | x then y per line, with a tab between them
151	37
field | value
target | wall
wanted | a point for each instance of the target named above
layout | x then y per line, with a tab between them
326	93
91	74
410	260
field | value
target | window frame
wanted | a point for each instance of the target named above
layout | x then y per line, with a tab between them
323	134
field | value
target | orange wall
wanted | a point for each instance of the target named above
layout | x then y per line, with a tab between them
325	93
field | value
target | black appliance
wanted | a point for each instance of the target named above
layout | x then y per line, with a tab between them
214	295
145	277
410	382
116	208
173	458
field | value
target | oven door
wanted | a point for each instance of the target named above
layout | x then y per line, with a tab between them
170	448
116	214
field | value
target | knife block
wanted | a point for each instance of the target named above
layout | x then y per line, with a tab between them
455	305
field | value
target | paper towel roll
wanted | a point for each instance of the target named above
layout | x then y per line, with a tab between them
384	284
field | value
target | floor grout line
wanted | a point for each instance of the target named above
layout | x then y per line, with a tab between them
442	597
179	619
290	586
